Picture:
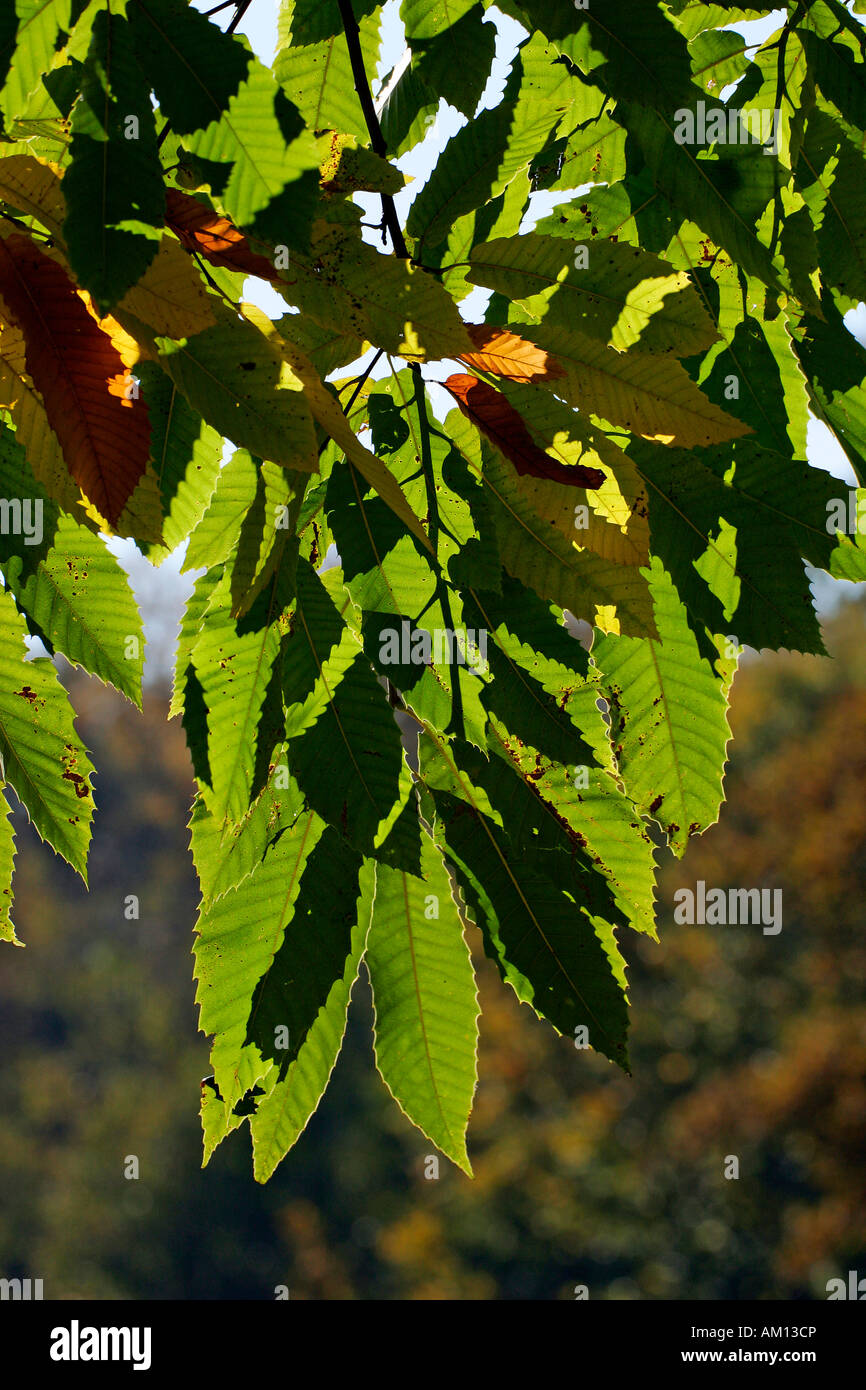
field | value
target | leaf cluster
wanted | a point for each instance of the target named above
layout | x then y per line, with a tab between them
433	671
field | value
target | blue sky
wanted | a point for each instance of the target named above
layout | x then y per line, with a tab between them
162	593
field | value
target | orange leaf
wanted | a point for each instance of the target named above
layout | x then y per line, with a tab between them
102	429
503	352
214	237
496	418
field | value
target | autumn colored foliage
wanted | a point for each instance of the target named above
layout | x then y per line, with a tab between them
439	667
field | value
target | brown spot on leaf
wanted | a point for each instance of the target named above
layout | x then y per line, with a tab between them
78	782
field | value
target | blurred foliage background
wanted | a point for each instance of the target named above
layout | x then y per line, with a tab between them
743	1044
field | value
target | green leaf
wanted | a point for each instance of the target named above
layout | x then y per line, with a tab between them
408	111
613	520
757	377
694	16
45	763
549	942
725	196
327	348
595	151
314	20
216	534
602	820
318	76
536	552
234	660
624	297
39	22
185	454
455	64
7	865
271	164
74	592
224	857
348	763
328	413
426	1006
217	1122
190	631
80	598
778	509
194	68
669	719
625	46
477	164
385	301
238	382
528	691
317	655
643	392
388	576
835	367
830	173
238	937
848	560
425	19
114	192
718	58
837	73
333	918
570	807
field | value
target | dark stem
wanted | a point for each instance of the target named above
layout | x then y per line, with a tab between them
367	370
377	139
212	282
354	396
401	250
243	6
31	231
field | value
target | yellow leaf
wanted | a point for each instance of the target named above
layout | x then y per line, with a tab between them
503	352
386	301
171	297
650	395
34	187
327	412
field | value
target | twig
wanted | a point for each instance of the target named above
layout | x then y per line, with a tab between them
367	370
243	6
377	139
354	396
31	231
401	251
213	284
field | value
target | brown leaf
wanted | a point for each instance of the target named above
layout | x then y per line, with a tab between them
86	389
496	418
214	237
503	352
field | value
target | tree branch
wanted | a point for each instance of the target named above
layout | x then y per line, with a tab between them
367	370
377	139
